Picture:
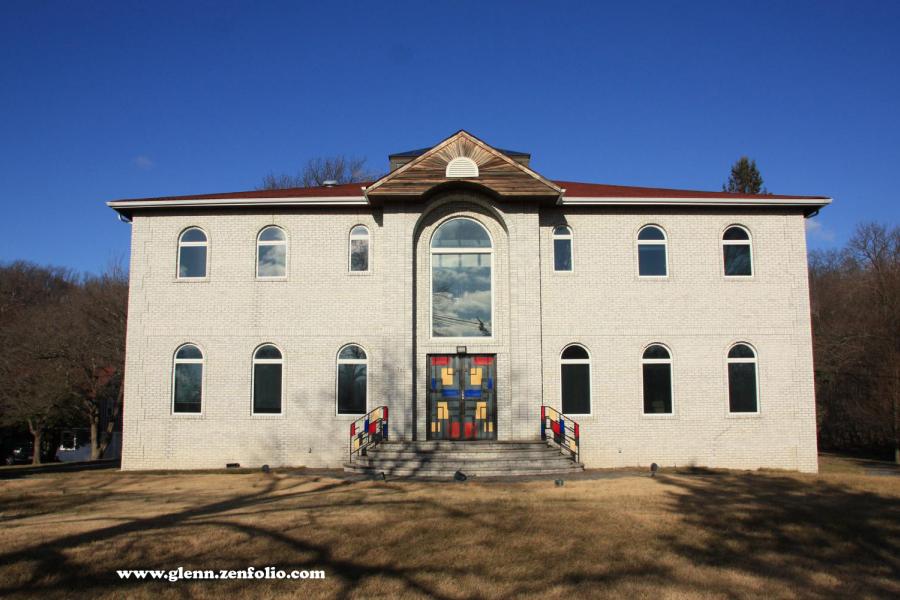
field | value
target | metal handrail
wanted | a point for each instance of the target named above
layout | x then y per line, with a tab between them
369	430
565	431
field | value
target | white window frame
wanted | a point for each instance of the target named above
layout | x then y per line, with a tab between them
432	251
564	236
283	242
659	361
729	361
183	244
748	242
265	361
189	361
663	242
337	378
577	361
462	160
359	236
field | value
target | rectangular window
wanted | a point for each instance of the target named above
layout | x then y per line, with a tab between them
576	389
742	387
192	261
652	260
562	255
351	389
359	255
737	260
272	260
267	388
188	383
461	295
657	389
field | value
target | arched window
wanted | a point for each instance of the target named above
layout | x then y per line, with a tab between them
187	380
656	364
359	248
462	166
742	380
652	260
562	248
271	253
352	380
192	253
461	280
575	379
268	369
736	251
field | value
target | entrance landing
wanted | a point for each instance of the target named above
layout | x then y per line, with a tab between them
442	459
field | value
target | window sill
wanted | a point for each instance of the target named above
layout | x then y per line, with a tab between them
360	273
747	415
272	279
191	279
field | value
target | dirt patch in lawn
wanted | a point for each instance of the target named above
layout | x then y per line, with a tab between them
716	534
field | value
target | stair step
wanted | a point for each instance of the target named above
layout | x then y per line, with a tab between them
382	454
471	464
449	473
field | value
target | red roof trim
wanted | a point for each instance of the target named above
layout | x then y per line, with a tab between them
573	189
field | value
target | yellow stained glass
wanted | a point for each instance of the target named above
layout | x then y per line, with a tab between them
475	376
442	412
447	376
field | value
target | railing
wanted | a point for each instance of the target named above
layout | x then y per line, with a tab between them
563	431
367	431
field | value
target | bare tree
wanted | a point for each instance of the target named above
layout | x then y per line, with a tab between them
856	321
339	169
95	350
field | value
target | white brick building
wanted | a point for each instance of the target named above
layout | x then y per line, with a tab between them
672	325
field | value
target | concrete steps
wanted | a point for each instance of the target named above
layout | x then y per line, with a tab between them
442	459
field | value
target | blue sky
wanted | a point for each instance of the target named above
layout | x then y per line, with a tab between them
105	100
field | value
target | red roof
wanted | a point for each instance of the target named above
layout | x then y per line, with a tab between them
573	189
346	189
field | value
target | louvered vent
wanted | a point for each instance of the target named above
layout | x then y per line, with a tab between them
462	167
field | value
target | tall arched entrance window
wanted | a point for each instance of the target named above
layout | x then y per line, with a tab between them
461	280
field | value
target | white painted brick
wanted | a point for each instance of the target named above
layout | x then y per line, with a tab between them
603	305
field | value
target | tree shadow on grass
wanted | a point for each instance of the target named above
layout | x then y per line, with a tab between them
52	572
817	538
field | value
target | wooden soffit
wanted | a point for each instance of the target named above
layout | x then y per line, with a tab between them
496	171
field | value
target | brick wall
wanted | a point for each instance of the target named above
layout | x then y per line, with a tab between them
603	305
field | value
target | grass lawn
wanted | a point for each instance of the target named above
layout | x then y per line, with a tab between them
681	534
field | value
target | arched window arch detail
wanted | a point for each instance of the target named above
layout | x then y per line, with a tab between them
656	368
562	248
359	248
271	253
268	380
352	380
743	379
737	252
653	260
187	380
462	167
575	380
461	279
192	254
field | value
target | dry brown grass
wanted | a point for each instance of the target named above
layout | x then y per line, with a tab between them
713	534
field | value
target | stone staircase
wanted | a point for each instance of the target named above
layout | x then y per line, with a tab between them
442	459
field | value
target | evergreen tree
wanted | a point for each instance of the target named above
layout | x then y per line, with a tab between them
745	178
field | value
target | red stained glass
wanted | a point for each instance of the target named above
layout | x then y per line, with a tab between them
442	361
484	360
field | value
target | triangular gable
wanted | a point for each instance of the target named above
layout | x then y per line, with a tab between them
496	171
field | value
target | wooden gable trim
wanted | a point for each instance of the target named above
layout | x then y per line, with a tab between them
492	165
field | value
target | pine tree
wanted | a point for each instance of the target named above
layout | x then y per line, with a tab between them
745	178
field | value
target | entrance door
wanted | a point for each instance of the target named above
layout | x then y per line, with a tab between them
462	397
